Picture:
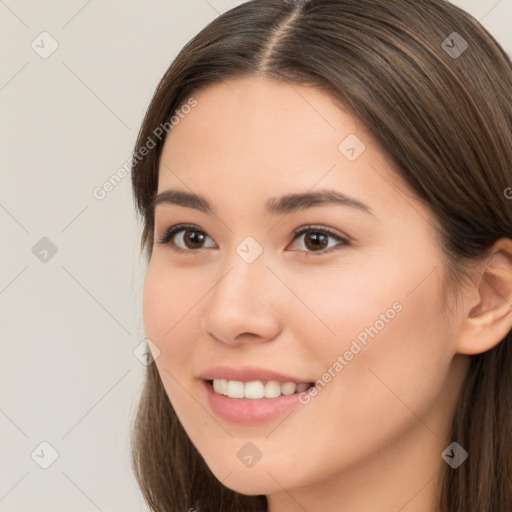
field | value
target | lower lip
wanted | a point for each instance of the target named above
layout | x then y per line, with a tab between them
248	411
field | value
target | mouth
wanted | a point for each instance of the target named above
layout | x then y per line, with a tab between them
257	389
251	403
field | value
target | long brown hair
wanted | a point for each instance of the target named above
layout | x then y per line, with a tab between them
435	90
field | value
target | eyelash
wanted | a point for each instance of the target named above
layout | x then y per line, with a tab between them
173	230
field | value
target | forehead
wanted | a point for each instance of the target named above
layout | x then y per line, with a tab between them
250	111
258	138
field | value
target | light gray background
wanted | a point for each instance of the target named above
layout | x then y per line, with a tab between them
69	325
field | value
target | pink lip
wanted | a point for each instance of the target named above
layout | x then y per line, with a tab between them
246	411
247	374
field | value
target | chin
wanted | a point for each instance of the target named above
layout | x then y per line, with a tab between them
250	481
251	485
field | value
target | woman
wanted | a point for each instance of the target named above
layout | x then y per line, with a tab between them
328	226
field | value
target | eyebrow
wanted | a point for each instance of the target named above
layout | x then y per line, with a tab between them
274	206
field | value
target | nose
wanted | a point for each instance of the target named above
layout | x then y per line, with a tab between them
242	306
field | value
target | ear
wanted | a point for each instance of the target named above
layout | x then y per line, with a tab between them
488	312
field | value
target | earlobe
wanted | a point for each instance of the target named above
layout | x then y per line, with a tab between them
490	320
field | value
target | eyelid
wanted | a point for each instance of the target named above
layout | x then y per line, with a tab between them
344	240
170	232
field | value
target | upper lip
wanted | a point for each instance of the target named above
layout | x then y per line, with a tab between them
247	374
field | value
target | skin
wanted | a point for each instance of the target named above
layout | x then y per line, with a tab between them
383	421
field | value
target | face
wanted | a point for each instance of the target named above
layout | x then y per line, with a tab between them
346	295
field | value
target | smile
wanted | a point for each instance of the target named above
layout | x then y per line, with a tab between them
257	389
237	407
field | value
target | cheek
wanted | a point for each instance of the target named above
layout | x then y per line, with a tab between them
167	313
167	309
388	305
156	305
391	338
403	363
378	394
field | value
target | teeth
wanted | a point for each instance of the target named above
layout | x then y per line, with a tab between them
302	387
235	389
288	388
272	389
256	389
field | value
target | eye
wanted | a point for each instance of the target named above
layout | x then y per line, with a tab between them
318	238
191	237
188	241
